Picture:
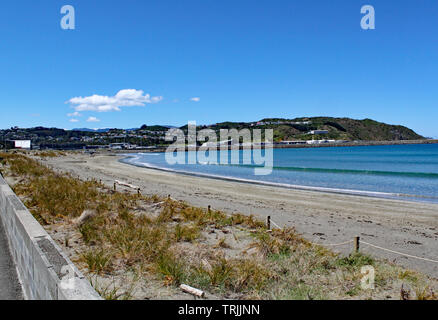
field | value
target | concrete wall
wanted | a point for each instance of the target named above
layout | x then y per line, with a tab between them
45	272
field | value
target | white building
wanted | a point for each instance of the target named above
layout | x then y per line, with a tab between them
22	144
318	132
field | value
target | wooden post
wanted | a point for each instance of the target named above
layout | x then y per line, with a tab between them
356	244
268	222
115	186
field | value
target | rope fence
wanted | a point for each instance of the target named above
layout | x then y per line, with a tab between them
399	253
356	242
275	224
334	244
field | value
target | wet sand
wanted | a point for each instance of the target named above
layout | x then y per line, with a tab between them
325	218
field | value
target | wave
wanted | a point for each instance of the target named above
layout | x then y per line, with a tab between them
349	171
411	174
132	161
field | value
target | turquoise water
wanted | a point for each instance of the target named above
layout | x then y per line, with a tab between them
401	171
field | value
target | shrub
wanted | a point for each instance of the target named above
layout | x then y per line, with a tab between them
171	268
186	233
98	261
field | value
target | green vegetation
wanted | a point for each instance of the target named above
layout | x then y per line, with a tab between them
355	260
338	129
98	261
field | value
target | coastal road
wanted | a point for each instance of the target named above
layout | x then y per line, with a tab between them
10	288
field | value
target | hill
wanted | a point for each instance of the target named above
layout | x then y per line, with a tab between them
337	128
343	129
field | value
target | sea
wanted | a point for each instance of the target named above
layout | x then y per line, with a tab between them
407	172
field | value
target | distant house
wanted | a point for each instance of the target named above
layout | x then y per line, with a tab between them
292	142
117	146
322	141
301	122
220	143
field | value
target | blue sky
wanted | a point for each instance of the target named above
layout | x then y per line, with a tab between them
244	60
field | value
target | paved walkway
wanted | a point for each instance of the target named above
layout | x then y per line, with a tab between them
10	288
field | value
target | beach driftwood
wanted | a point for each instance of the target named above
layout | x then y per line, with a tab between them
126	184
191	290
156	204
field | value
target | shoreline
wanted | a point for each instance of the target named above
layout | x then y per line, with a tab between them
321	217
363	193
384	195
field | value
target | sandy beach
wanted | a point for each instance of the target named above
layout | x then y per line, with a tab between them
324	218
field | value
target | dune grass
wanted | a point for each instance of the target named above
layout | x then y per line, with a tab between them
168	239
50	154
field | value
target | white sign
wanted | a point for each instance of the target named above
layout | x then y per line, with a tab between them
22	144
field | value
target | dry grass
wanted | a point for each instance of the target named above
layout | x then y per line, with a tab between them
97	260
177	243
50	154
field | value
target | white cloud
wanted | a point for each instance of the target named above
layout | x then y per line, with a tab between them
195	99
123	98
93	119
74	120
74	114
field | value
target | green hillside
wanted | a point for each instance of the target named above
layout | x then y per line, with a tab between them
338	128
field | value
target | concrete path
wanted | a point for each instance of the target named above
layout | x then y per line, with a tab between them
10	288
